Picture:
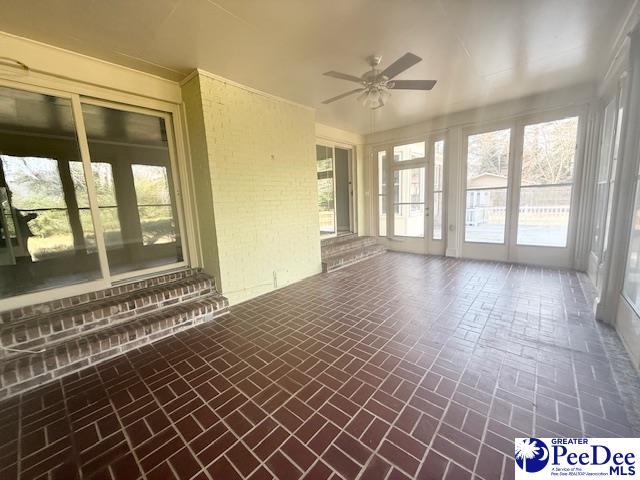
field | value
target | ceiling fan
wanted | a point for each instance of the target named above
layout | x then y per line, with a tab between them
375	84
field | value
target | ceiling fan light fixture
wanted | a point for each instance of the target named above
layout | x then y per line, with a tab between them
375	85
374	97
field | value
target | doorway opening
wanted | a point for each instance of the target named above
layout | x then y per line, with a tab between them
335	190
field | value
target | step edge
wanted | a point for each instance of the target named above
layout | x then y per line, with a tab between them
11	390
54	344
96	304
7	313
333	268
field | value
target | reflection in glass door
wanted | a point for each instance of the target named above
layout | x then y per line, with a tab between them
50	210
43	239
131	166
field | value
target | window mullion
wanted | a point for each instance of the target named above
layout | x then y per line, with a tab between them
91	188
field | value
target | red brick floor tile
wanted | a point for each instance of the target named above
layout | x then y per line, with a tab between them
341	463
341	376
434	467
223	469
319	471
282	467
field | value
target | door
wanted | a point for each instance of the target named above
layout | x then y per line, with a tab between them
520	190
344	191
88	192
411	211
334	168
326	191
131	163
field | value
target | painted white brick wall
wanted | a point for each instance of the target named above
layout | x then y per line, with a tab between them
261	159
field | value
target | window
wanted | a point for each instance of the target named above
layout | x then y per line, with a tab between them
486	192
411	151
382	194
409	202
438	176
548	157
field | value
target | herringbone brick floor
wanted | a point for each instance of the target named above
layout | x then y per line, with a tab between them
402	366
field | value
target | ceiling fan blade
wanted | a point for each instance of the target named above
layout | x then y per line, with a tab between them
333	99
343	76
405	62
413	84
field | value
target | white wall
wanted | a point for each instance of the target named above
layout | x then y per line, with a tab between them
256	186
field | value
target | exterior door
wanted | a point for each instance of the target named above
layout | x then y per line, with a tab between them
88	195
410	194
335	190
520	195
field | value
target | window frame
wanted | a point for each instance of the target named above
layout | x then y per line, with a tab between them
443	187
396	165
479	130
519	187
579	161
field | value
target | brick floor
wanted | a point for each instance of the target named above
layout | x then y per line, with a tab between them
402	366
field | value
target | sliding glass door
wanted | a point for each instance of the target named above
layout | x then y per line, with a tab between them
520	191
87	195
43	234
131	166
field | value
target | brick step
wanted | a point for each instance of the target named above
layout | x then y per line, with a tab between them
37	330
346	245
24	313
29	370
351	256
338	239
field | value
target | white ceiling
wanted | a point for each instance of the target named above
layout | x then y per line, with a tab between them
480	51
